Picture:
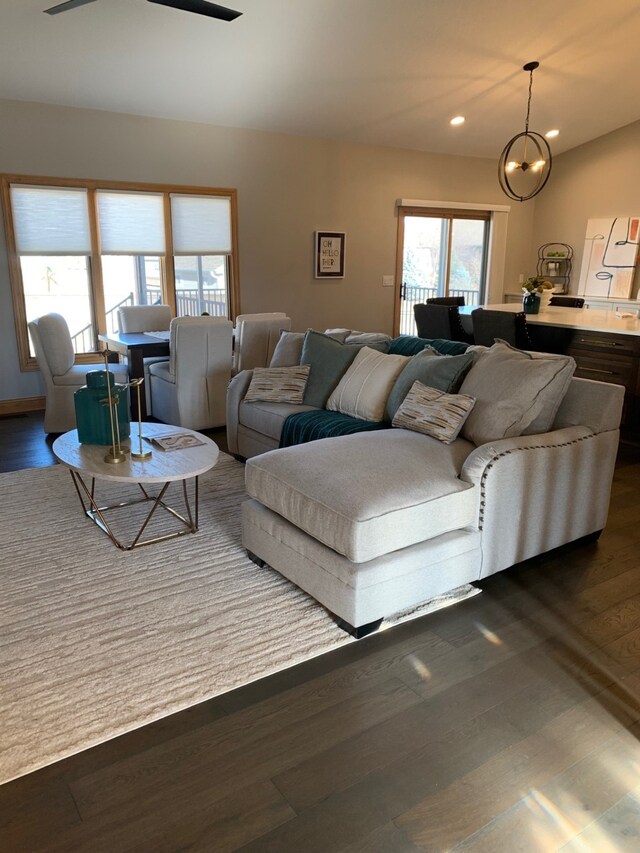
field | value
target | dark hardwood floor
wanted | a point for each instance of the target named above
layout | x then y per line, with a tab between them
509	722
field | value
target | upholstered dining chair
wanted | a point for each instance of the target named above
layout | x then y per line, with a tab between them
256	338
62	378
567	301
446	300
145	318
190	390
440	321
489	325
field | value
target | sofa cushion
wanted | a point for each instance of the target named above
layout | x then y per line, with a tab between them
338	334
369	494
514	390
329	360
376	340
363	390
278	384
288	349
411	345
444	372
267	418
301	427
433	412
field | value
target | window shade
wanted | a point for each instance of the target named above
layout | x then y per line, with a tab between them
50	220
201	225
131	223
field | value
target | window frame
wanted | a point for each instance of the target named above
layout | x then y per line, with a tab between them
27	361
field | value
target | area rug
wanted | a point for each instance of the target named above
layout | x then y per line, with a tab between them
95	642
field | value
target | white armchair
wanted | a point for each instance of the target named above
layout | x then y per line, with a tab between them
62	378
256	338
190	390
145	318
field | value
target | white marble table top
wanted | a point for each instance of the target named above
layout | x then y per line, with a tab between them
584	319
162	466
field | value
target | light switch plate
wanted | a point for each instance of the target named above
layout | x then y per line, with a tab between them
388	280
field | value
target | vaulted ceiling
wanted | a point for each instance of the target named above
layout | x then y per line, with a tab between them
384	72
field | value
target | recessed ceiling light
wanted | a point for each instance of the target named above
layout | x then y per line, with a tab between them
457	120
551	134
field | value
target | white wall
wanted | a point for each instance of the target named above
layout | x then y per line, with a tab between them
598	179
288	187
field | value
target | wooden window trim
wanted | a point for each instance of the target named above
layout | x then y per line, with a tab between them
27	362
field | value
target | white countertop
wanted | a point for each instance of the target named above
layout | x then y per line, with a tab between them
585	319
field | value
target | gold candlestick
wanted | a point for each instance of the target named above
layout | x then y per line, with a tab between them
116	454
141	453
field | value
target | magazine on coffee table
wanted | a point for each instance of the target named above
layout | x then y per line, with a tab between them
174	440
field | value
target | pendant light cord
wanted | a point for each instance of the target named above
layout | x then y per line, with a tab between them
526	124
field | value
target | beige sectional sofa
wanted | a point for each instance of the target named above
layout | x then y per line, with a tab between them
372	524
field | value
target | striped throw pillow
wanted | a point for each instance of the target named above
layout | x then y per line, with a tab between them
278	384
433	412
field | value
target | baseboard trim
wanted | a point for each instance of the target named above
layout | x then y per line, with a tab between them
24	404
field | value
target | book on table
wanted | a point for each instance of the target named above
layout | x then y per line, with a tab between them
174	440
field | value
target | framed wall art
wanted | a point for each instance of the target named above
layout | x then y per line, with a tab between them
610	257
329	254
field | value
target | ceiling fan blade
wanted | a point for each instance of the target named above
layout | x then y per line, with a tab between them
64	7
200	7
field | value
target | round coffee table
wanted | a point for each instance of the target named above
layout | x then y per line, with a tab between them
163	467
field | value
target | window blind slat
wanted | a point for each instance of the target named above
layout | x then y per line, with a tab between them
131	223
201	225
50	220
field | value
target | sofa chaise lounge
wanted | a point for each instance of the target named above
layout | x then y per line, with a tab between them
375	523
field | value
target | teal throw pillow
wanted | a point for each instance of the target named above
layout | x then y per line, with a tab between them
412	345
444	372
329	360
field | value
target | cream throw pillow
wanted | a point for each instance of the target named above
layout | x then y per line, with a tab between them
363	390
433	412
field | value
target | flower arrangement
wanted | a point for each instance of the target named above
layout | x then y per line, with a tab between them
536	284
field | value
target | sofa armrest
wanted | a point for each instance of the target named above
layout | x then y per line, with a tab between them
483	457
537	492
235	395
597	405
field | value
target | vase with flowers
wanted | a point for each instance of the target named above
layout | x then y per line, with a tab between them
537	293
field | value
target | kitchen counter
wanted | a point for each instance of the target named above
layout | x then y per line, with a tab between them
582	319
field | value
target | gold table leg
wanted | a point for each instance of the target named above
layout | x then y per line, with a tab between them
96	513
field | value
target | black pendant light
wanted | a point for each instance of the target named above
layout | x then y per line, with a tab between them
525	163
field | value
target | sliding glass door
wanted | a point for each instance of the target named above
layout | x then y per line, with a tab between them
443	253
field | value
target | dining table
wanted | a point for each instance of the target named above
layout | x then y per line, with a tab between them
137	346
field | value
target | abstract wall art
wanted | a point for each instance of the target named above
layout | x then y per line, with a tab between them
610	257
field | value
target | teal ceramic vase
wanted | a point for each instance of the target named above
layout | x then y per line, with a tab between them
92	413
531	303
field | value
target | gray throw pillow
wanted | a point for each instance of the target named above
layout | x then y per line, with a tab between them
288	349
516	392
329	360
444	372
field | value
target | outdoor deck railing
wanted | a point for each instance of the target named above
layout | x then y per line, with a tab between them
214	302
